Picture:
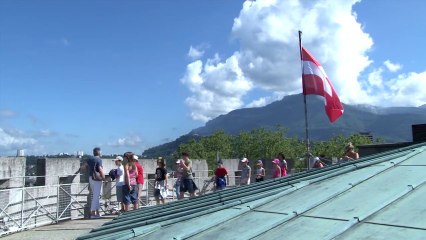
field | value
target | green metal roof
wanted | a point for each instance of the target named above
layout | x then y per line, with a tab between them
377	197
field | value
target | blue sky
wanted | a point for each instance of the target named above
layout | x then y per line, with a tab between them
129	75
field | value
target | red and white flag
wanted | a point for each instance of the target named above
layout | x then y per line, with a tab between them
315	81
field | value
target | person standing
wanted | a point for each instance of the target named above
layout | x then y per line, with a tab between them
283	164
130	188
139	179
187	184
245	172
350	153
276	170
160	183
96	175
178	176
119	181
220	173
260	171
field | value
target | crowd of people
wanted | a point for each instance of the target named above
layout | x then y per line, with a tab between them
128	176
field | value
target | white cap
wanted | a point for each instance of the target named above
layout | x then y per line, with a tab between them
178	161
135	157
119	158
244	160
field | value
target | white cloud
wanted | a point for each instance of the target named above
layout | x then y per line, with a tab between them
14	139
269	60
7	113
375	78
217	87
258	103
195	53
393	67
131	141
406	89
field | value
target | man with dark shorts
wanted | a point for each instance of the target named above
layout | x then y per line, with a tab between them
187	184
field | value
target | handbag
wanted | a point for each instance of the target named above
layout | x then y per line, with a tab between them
96	176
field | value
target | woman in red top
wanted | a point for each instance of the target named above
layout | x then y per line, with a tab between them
139	179
220	174
283	164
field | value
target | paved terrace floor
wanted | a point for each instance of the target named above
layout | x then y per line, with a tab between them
65	230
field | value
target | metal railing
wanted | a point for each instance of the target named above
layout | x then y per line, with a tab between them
25	206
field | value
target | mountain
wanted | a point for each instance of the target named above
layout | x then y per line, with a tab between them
391	124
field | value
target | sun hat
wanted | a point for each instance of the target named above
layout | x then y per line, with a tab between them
118	158
276	161
244	160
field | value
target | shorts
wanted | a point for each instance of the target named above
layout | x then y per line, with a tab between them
187	185
220	183
119	193
259	179
130	195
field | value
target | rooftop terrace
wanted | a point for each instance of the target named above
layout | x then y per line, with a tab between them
377	197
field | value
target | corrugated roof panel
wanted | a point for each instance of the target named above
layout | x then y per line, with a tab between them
328	202
381	232
244	227
367	196
419	159
303	228
320	191
188	228
410	211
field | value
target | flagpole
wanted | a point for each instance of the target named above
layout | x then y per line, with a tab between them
304	101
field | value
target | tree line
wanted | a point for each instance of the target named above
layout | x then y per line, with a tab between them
264	144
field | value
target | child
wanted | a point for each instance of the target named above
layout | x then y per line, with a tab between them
119	181
260	171
160	181
220	174
245	172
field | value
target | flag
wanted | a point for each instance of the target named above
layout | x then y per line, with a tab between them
315	81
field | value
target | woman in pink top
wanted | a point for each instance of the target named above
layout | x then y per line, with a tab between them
276	170
130	188
283	164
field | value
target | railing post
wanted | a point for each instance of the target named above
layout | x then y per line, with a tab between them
57	200
23	202
147	192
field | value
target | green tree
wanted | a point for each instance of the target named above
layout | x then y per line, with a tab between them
217	143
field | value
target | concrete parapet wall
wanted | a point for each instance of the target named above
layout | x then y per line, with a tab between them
62	167
12	169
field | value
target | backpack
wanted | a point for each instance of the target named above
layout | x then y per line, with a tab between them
113	174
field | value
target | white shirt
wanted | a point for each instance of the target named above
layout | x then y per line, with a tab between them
119	181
